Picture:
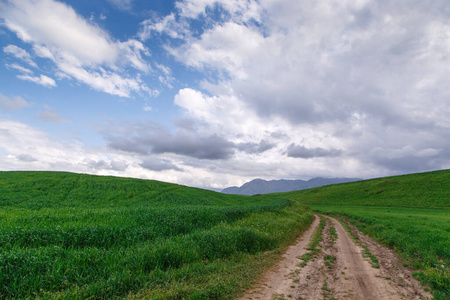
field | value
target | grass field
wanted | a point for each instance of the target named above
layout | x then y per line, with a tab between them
410	214
68	236
72	236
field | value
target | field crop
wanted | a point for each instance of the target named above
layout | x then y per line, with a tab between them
68	236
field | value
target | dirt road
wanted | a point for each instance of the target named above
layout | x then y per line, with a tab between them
339	268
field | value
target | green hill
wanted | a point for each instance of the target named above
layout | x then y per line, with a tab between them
76	236
425	190
61	189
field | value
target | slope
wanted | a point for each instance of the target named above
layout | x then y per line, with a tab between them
426	190
62	189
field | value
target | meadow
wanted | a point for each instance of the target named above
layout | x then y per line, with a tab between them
74	236
409	213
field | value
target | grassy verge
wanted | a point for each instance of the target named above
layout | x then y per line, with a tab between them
333	234
420	236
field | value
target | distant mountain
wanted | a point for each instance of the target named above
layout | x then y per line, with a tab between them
260	186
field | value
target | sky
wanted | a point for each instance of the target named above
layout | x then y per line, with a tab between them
215	93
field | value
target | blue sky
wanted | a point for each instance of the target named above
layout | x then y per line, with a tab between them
213	93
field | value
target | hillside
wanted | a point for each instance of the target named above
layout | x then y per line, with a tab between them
260	186
62	189
76	236
424	190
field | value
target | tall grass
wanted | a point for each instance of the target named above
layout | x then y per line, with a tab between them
71	236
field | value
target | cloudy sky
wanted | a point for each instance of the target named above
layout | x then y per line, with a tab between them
214	93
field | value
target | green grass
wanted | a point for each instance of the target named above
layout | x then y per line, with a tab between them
423	190
333	234
69	236
366	253
317	237
44	190
312	247
329	261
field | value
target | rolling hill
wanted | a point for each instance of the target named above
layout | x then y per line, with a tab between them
427	190
62	189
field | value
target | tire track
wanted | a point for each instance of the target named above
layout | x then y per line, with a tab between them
338	271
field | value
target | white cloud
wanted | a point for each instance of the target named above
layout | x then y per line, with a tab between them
57	26
79	49
159	165
27	74
335	79
31	149
20	54
16	103
312	63
220	112
176	29
239	10
166	78
19	68
26	158
263	143
131	51
26	148
41	80
122	4
192	9
294	89
228	47
49	115
177	26
103	80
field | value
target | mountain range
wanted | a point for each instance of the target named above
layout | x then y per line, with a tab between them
261	186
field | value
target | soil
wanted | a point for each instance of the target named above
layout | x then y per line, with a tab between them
338	271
